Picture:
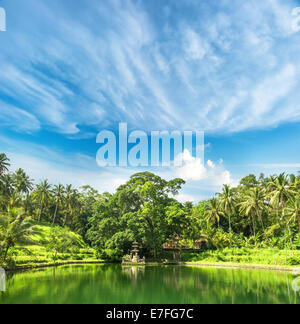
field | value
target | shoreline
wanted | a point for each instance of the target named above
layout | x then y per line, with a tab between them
189	264
241	266
52	265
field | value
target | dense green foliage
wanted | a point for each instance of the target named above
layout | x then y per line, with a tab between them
260	212
263	212
142	210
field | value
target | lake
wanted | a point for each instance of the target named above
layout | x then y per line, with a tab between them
115	284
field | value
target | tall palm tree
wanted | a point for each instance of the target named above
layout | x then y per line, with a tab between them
7	184
227	201
58	193
69	192
15	200
293	211
16	227
254	203
213	212
22	182
6	189
42	193
280	191
4	163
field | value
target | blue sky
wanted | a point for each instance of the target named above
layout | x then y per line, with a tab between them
70	69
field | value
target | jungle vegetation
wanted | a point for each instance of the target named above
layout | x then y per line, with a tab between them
261	212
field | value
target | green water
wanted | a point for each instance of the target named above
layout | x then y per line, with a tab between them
113	284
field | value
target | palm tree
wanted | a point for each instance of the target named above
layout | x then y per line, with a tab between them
227	201
6	189
4	164
7	184
16	227
293	211
42	193
254	203
15	200
58	193
69	195
213	212
22	182
280	191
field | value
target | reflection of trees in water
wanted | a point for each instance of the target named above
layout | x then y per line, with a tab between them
156	284
231	285
133	272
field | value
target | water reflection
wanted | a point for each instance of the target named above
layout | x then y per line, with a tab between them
113	284
133	272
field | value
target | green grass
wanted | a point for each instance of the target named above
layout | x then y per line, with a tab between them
36	253
245	256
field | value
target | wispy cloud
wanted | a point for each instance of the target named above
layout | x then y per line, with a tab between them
17	119
126	63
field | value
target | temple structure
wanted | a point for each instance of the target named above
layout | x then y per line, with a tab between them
134	258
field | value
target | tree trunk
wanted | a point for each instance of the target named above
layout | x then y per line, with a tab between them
56	208
291	239
40	214
254	230
230	229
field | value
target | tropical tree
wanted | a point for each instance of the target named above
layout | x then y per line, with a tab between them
4	163
23	183
42	194
60	240
280	191
58	194
16	227
6	189
254	204
15	200
72	198
213	212
293	211
227	200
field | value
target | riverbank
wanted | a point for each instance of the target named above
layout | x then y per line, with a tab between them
253	257
241	266
53	264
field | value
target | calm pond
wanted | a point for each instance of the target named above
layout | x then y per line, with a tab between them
114	284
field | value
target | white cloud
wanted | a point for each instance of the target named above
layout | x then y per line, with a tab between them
193	169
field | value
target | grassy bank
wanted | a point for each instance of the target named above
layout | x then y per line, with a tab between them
245	256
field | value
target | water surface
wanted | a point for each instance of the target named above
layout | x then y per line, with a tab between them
114	284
